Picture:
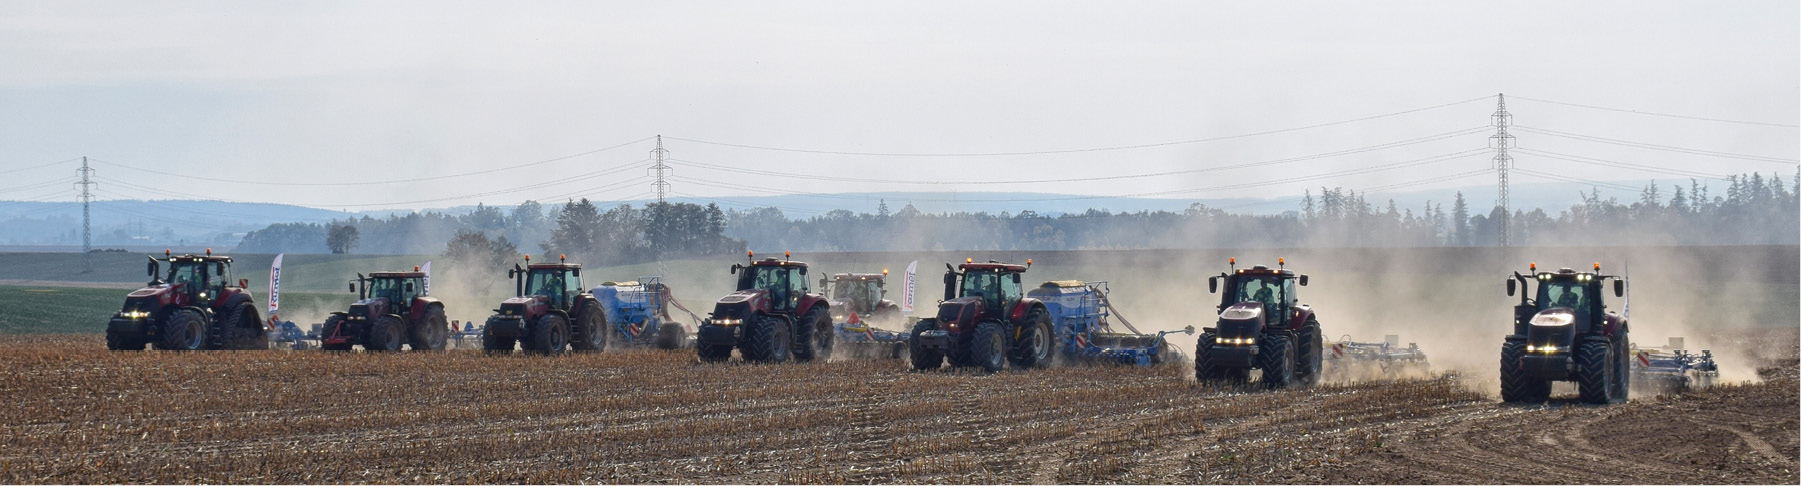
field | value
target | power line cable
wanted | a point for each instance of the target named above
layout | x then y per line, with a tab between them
1667	148
1618	165
1069	151
1546	175
1657	114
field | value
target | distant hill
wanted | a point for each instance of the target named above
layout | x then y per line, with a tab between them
146	224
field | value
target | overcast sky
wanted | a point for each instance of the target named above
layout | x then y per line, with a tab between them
286	101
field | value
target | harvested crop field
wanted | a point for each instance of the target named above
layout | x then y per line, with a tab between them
79	414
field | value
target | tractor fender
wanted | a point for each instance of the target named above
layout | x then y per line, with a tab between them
421	303
818	303
205	312
235	299
1613	324
1024	306
1302	314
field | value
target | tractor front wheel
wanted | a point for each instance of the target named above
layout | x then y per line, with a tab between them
923	359
493	344
988	348
766	340
124	342
387	334
185	331
1594	372
713	353
1516	387
550	335
1277	358
1204	371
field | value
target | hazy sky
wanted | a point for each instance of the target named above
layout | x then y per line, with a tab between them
287	101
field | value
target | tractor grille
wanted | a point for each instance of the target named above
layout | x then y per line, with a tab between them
359	311
734	309
961	312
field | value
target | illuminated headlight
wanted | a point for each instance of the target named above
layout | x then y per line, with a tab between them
1234	340
727	322
203	295
135	314
1542	349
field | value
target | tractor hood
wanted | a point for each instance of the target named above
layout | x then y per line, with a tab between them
1555	326
370	307
740	304
151	291
1241	320
961	311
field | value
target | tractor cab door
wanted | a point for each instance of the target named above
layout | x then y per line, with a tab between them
1288	298
572	286
1010	292
409	289
797	286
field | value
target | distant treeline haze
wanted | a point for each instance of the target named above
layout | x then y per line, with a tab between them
1754	209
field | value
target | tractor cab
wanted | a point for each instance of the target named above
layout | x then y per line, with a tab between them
1273	288
195	279
556	283
994	284
1565	297
856	292
388	289
784	281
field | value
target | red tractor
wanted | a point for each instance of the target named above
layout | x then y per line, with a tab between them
1564	332
986	321
194	308
771	316
862	293
551	312
1262	326
392	310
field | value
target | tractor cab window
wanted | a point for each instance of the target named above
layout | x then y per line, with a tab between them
986	285
1010	291
797	287
386	288
417	287
548	283
843	289
783	290
1556	293
1260	289
221	275
874	294
572	284
189	274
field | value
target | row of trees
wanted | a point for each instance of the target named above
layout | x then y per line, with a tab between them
1753	209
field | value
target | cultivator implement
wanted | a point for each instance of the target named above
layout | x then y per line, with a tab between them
1672	368
1387	357
859	338
466	335
1081	312
287	335
638	311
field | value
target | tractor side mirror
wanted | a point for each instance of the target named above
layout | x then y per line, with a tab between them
575	272
1303	280
352	286
803	270
735	268
151	269
1212	285
1619	288
409	287
1016	279
821	282
1512	287
511	273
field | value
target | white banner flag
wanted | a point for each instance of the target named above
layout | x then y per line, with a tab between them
275	285
427	269
907	298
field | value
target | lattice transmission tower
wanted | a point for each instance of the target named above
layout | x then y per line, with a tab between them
660	169
1503	162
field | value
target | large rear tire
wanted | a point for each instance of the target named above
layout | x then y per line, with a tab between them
1308	354
432	332
244	328
1622	372
988	348
1277	360
1594	372
186	330
766	340
330	329
1039	343
591	331
550	335
387	334
923	359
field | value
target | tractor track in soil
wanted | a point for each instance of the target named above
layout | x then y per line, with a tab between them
90	416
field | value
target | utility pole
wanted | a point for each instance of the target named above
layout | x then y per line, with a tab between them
1503	162
87	229
660	169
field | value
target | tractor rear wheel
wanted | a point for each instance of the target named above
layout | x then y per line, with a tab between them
331	328
1622	372
185	331
432	332
1516	387
550	335
813	336
1039	343
1308	354
923	359
672	336
590	329
988	348
1204	371
1594	372
124	342
1277	360
766	340
243	328
493	344
387	334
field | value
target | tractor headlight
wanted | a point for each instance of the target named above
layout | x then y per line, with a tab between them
728	322
134	314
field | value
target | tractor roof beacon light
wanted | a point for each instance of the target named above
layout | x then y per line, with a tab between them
528	259
209	252
1597	267
787	254
1281	262
884	271
1028	262
415	268
166	252
562	257
1533	266
1231	262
